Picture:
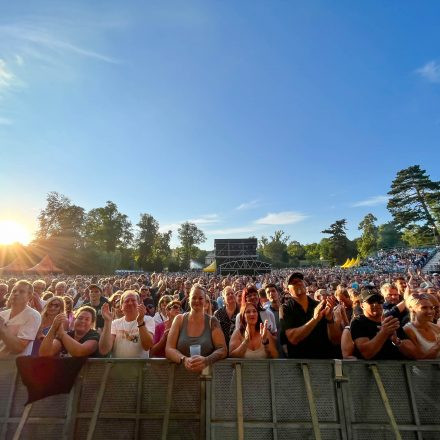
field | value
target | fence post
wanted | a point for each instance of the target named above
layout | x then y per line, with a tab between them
24	417
311	399
166	416
385	401
239	383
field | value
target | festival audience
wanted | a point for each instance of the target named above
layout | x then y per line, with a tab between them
226	315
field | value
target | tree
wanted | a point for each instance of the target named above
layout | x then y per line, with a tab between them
296	252
275	249
189	235
312	252
389	236
107	228
337	247
368	241
417	236
146	240
415	199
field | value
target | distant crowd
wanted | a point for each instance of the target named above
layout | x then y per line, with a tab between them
195	319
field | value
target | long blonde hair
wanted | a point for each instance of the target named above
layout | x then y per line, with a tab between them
51	300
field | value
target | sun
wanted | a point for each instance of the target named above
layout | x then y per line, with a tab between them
13	232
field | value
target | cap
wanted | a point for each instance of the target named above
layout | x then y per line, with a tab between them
367	293
292	276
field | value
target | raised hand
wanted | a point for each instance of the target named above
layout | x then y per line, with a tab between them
105	312
142	310
264	331
319	311
390	325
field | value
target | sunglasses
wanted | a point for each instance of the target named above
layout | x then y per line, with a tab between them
54	305
175	307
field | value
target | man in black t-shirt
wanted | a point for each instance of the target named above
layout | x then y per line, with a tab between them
373	337
308	327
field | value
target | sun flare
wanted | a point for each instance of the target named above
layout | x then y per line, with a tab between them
13	232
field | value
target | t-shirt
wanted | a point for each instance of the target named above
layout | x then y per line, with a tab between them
91	335
317	344
25	325
127	341
99	318
362	327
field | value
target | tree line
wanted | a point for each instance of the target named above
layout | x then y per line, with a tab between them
103	239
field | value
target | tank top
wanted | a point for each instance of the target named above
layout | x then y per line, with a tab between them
423	342
204	340
259	353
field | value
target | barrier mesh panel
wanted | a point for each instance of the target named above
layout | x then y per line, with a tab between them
258	434
224	433
93	372
36	431
121	389
186	392
290	394
426	385
7	373
150	429
183	430
377	434
155	385
306	434
257	403
224	405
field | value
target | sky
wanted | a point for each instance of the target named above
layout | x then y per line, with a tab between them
242	117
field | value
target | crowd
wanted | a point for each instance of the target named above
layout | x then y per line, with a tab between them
196	319
399	259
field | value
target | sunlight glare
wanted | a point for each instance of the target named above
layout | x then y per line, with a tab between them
13	232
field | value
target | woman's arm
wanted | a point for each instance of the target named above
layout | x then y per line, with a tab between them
171	351
271	348
238	345
49	345
218	339
75	348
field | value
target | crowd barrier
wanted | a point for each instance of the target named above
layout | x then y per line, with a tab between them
236	399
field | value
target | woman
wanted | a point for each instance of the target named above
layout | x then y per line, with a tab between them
226	314
423	333
115	305
81	342
208	305
252	339
161	314
196	328
68	308
53	307
161	331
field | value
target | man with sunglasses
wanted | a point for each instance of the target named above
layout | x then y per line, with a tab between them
20	323
375	336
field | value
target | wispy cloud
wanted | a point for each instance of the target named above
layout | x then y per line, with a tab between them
203	220
6	76
232	231
372	201
430	71
248	205
281	218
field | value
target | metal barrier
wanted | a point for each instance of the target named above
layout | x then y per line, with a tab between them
238	399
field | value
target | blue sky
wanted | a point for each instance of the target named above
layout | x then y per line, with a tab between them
244	117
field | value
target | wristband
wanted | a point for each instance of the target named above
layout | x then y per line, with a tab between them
141	325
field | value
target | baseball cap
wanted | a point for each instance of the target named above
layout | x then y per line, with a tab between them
368	292
292	276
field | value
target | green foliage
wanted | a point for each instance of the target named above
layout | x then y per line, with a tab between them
388	236
337	247
416	236
368	241
415	200
296	252
274	249
312	252
189	235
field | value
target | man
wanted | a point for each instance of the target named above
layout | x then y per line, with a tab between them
37	302
401	285
226	315
185	300
373	337
18	325
394	304
130	336
60	288
96	300
308	327
273	304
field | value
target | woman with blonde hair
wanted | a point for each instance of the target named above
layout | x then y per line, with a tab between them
51	309
424	334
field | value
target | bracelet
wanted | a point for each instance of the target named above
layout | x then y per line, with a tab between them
141	325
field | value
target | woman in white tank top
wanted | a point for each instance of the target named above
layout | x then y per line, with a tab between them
252	339
424	334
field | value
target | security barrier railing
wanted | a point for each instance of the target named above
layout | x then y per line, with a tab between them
236	399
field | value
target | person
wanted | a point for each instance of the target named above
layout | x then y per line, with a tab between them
36	301
394	304
68	310
3	292
252	339
19	324
96	300
308	327
250	294
82	341
115	304
187	285
226	315
130	336
53	307
196	328
161	315
424	334
374	337
162	329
